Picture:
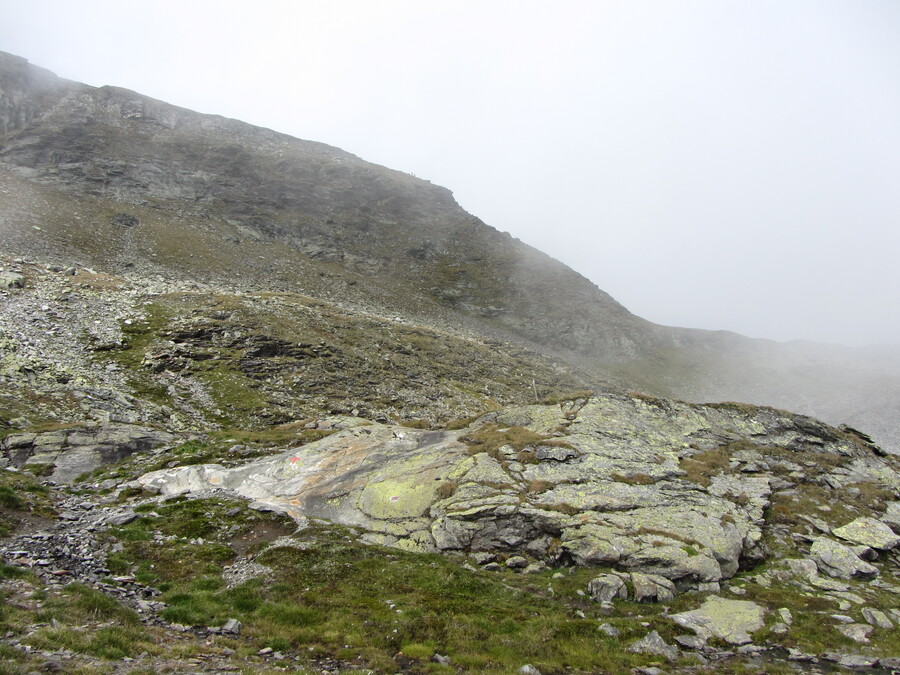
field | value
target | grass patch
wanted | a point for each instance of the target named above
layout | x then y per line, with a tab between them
337	597
566	397
633	479
21	493
703	466
490	438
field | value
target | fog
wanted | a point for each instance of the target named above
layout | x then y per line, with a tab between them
710	163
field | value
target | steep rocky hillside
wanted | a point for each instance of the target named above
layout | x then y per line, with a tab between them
265	407
108	179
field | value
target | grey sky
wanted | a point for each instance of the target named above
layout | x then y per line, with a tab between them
710	163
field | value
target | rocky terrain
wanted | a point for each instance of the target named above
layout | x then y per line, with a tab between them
265	407
114	181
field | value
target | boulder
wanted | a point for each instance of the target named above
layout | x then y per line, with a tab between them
858	632
891	516
607	587
729	620
877	618
838	560
11	280
652	588
652	643
868	532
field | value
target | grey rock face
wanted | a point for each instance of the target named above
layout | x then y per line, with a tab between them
840	561
652	588
619	499
868	532
11	280
607	587
891	516
858	632
232	626
652	643
729	620
81	449
877	618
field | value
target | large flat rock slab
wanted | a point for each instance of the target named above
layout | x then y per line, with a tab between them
729	620
657	488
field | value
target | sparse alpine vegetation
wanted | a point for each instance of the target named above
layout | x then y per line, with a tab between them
265	407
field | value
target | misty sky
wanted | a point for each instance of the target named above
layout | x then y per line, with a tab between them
709	163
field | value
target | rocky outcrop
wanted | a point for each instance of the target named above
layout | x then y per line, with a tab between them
67	453
673	493
730	620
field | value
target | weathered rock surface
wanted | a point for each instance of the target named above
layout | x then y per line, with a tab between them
652	588
838	560
858	632
621	495
729	620
892	516
607	587
653	643
868	532
71	452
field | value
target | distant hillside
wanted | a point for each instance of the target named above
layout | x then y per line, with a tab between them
109	179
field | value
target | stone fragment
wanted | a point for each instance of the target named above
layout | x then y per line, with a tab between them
557	454
607	587
729	620
858	632
709	587
652	643
652	588
891	516
528	669
516	562
829	584
125	220
690	641
857	661
877	618
233	626
803	568
609	629
837	560
868	532
11	280
786	615
441	659
118	519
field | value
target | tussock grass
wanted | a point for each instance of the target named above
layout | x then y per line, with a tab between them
490	438
703	466
335	596
21	493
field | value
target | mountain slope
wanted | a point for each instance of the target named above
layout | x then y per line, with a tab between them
266	407
109	179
